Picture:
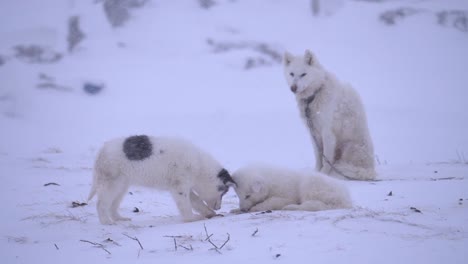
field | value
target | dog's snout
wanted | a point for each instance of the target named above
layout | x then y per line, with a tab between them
293	88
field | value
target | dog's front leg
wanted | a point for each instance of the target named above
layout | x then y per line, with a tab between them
318	151
182	200
314	125
200	206
272	203
328	156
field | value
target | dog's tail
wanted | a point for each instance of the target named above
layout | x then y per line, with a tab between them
93	190
97	171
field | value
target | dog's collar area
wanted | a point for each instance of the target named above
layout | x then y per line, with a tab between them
310	99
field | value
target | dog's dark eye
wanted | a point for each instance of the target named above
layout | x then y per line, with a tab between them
292	74
247	197
304	74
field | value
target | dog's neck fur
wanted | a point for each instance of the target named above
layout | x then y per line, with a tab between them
307	101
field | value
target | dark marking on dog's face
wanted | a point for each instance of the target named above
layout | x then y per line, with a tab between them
226	178
137	147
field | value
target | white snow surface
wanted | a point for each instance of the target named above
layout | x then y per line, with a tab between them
162	77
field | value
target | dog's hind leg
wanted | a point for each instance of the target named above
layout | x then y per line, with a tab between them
104	205
357	162
119	192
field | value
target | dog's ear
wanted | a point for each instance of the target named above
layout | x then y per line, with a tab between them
309	57
257	186
287	58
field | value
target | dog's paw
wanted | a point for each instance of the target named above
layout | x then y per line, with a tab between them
121	218
193	218
107	222
238	211
291	207
216	215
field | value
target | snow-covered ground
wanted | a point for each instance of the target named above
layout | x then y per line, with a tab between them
177	69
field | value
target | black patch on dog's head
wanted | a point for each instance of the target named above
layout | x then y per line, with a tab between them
137	147
225	177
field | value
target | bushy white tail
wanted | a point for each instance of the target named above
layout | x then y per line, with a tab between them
96	174
93	190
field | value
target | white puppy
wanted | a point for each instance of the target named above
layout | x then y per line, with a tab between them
335	117
261	188
193	177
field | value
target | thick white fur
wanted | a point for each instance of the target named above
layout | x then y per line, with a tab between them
337	120
261	188
177	166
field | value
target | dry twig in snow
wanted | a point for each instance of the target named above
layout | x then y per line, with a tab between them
177	245
255	232
101	246
215	247
134	238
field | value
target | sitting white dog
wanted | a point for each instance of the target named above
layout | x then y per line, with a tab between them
261	188
193	177
335	116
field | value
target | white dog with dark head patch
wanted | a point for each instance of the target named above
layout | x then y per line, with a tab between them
193	177
335	117
261	188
